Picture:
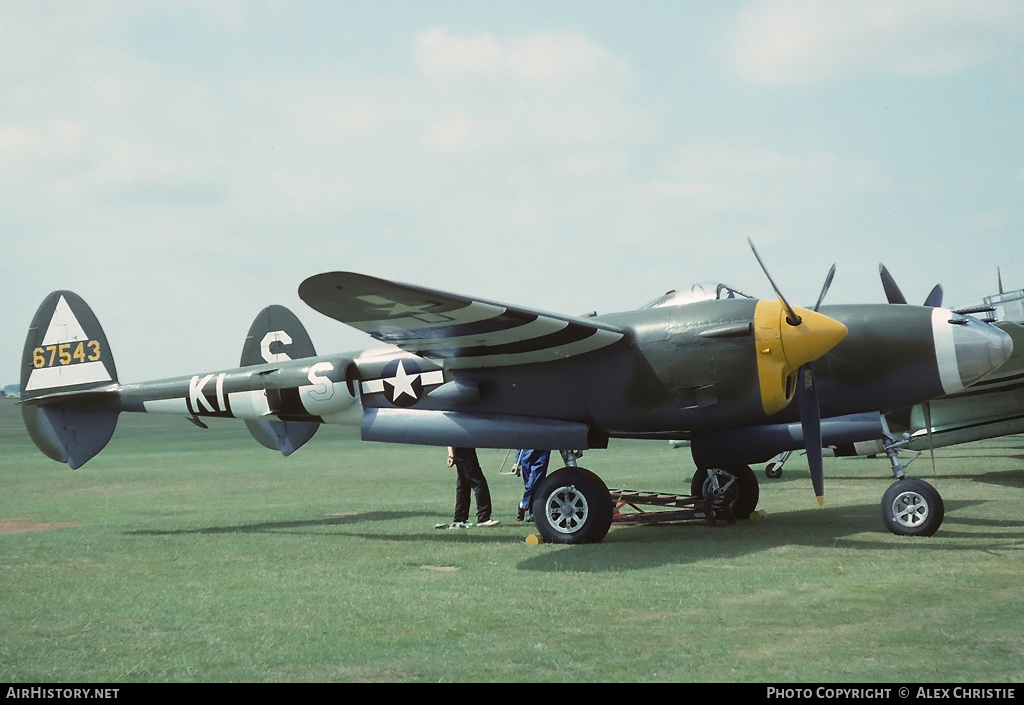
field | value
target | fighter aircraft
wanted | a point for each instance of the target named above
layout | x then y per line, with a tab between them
460	371
991	407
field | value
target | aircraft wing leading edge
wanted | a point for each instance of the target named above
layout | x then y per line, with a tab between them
461	332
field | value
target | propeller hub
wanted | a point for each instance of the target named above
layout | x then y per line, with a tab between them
782	348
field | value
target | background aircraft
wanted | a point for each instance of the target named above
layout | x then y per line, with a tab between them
469	372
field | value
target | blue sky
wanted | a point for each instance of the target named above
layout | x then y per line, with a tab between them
183	164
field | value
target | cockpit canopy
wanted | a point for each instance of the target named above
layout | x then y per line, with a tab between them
703	291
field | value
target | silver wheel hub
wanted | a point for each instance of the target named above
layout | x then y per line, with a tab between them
910	509
566	510
719	486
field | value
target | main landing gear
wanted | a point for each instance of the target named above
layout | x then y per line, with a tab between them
734	489
573	505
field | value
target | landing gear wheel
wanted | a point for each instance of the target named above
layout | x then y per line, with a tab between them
773	471
734	487
912	508
572	505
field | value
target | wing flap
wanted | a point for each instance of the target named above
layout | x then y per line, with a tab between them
460	331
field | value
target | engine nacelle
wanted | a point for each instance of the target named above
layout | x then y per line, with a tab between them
756	444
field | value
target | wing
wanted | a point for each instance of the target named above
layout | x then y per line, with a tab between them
459	331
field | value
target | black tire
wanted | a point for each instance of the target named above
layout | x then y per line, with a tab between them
572	505
773	471
737	489
912	507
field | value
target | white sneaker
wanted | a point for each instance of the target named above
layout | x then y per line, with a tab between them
458	525
489	522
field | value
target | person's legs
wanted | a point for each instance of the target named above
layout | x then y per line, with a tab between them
535	469
469	468
463	485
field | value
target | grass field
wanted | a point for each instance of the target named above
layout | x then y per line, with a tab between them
188	555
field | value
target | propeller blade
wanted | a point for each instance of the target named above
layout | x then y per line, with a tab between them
934	299
791	315
892	292
802	345
824	288
787	340
810	423
810	412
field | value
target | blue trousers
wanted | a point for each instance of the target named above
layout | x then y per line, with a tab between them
535	468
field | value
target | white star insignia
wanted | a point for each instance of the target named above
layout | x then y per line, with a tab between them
402	382
398	309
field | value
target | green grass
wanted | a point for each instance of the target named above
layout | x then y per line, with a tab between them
201	556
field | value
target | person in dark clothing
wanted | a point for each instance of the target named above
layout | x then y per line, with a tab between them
470	477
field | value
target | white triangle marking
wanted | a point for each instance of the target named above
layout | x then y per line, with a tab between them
64	327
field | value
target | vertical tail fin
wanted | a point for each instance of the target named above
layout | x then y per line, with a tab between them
66	371
275	336
66	349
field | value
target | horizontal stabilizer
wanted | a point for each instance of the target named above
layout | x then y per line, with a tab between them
88	396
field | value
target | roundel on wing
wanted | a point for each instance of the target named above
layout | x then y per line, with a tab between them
403	385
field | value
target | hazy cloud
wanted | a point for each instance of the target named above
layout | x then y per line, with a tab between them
803	41
534	91
540	59
180	167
